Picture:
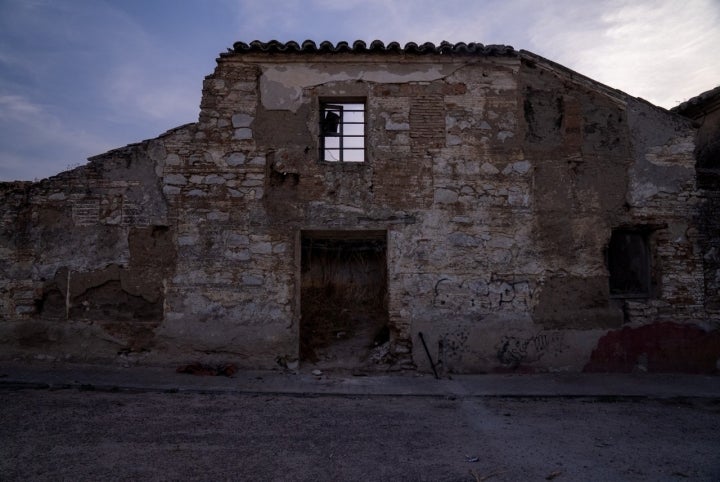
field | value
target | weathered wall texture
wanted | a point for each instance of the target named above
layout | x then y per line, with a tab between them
705	111
85	256
497	181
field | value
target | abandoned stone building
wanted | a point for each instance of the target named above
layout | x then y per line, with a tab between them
380	207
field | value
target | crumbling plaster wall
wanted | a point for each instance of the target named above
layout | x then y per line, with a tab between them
84	257
499	184
707	116
433	133
497	179
596	160
663	192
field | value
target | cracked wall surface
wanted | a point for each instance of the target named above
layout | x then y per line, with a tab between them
497	181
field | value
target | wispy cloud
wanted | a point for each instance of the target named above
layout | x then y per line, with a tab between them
13	107
135	93
80	77
35	132
661	50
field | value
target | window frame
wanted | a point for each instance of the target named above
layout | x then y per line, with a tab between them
343	105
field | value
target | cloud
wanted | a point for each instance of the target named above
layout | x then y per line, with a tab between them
80	78
77	78
655	49
138	92
349	20
35	132
21	168
14	107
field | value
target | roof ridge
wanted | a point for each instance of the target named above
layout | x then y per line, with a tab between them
375	46
695	102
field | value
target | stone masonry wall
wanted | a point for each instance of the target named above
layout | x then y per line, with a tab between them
707	151
498	181
85	257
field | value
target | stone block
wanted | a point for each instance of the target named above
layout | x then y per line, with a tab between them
176	179
263	247
252	280
257	161
445	196
243	133
234	240
214	179
171	190
463	240
218	216
236	159
237	254
242	120
489	169
188	239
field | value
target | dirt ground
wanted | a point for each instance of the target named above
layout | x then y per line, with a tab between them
88	435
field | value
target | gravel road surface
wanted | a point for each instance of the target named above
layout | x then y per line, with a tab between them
90	435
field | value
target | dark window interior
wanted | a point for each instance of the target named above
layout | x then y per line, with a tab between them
629	264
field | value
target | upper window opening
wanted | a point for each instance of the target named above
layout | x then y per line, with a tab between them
342	131
629	264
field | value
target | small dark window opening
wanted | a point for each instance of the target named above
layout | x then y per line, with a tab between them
629	263
342	131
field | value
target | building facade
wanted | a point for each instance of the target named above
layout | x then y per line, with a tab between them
349	205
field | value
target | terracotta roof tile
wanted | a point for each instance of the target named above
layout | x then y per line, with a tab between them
376	46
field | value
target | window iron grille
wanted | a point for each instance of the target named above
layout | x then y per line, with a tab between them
342	132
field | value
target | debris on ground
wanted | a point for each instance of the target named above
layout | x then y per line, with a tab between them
380	353
224	369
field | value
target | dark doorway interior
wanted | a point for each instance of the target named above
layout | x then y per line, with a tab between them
344	320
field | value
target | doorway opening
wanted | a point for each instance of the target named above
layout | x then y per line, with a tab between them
343	299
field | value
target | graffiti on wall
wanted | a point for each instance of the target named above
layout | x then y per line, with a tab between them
480	295
513	350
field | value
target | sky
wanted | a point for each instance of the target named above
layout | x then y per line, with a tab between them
81	77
